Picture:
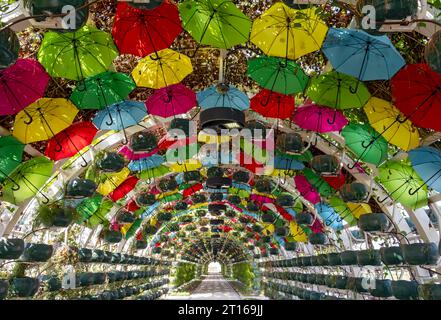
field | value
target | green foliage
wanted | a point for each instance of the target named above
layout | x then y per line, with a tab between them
244	273
185	272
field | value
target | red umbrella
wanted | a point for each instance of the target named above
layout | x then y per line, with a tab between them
132	206
273	105
124	188
191	190
335	182
141	32
70	141
417	93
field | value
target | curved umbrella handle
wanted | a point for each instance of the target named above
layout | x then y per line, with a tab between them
333	119
15	186
368	144
264	104
402	121
109	123
156	58
59	147
354	90
414	192
29	116
383	200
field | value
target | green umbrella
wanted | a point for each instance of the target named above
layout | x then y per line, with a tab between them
366	143
401	180
11	152
338	91
217	23
89	206
277	74
318	183
27	179
132	230
343	210
77	55
102	90
154	172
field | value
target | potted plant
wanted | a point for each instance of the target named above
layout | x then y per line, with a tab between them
112	236
236	200
290	246
164	216
80	188
215	172
334	259
241	176
290	143
145	199
263	185
392	256
282	231
267	217
140	244
116	258
110	162
169	184
306	261
354	192
37	252
216	197
51	283
11	248
373	222
252	206
150	230
405	290
181	124
356	284
107	256
84	255
144	141
198	198
370	257
304	218
348	258
99	278
420	253
285	200
192	176
430	291
317	238
274	251
179	206
9	48
325	164
382	288
97	255
24	286
125	217
84	279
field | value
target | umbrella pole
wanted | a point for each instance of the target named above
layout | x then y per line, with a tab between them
126	140
413	192
16	186
59	147
203	35
362	70
46	199
78	151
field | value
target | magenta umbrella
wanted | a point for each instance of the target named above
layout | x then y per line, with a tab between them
319	119
21	84
171	101
132	155
306	190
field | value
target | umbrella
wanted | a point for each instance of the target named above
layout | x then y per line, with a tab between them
319	119
356	53
403	184
329	216
273	105
417	93
102	90
71	141
277	74
366	143
11	152
223	95
27	179
426	161
124	188
162	69
386	119
119	116
336	181
283	163
342	210
151	162
111	181
133	155
43	119
142	32
88	50
20	85
216	23
284	32
154	172
318	183
306	190
359	209
170	101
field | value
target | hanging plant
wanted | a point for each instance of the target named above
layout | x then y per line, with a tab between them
290	143
174	227
55	214
230	213
24	286
164	216
214	197
317	238
80	188
112	236
257	228
263	185
167	184
215	172
348	258
354	192
186	219
268	217
145	199
37	252
326	164
274	251
304	218
181	206
156	250
198	198
192	176
110	161
420	253
285	200
405	290
181	124
149	229
144	141
282	231
234	199
241	176
253	206
291	246
368	257
374	222
201	213
126	217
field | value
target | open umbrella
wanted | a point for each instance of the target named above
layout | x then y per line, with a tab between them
277	74
27	179
124	188
402	184
342	210
89	51
127	152
111	181
170	101
426	161
273	105
162	69
318	183
306	190
43	119
223	95
20	85
417	93
284	32
141	32
11	152
319	119
387	120
71	141
366	143
153	173
329	216
102	90
146	163
217	23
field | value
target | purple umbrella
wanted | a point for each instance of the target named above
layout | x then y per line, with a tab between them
20	85
171	101
319	119
306	190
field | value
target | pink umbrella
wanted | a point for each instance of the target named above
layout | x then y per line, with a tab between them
171	101
306	189
132	155
20	85
319	119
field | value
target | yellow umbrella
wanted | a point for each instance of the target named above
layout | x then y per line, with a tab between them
391	124
162	69
111	181
206	137
188	165
268	229
359	209
297	233
284	32
43	119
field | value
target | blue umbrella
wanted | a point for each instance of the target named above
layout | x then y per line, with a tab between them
329	216
146	163
361	55
282	163
223	95
119	116
426	161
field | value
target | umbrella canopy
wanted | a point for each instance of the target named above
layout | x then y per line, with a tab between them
342	210
102	90
89	51
366	143
386	119
20	85
319	119
216	23
306	190
318	183
284	32
356	53
283	163
417	93
273	105
162	69
336	181
124	188
134	155
121	115
111	181
338	91
170	101
71	141
154	173
426	161
11	152
403	184
146	163
329	216
277	74
43	119
142	32
27	179
223	95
